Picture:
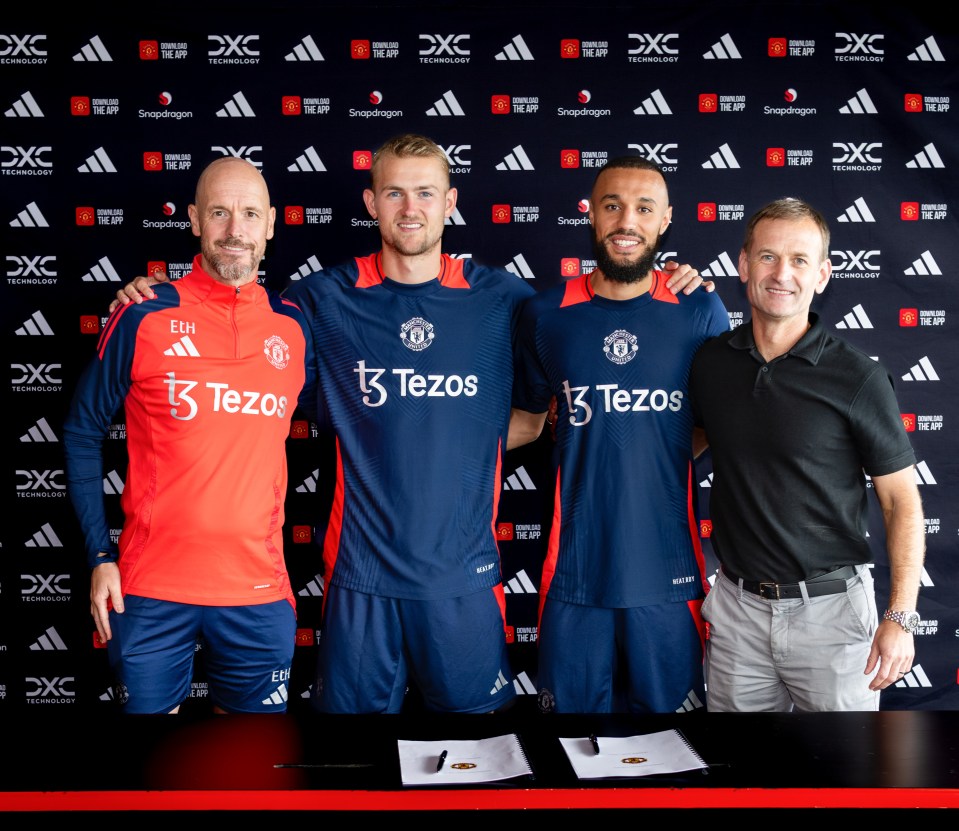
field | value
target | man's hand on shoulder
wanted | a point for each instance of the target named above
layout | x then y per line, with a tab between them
139	290
685	278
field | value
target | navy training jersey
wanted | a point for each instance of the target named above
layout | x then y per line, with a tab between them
415	381
623	531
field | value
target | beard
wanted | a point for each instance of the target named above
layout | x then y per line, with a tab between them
231	267
624	272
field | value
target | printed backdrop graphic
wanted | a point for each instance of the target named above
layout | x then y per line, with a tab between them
107	122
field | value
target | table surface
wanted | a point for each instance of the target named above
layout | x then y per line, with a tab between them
307	761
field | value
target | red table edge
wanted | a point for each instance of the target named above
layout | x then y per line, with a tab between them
488	799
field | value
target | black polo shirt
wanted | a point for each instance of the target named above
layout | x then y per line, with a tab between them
790	442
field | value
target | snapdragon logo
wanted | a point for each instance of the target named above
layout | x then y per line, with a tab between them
444	49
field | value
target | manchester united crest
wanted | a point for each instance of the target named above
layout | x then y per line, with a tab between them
620	347
276	351
417	334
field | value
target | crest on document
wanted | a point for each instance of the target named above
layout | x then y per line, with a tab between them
417	334
276	351
620	347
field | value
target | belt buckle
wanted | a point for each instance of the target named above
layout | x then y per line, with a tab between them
769	591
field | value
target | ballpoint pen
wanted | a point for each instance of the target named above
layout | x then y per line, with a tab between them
595	743
440	761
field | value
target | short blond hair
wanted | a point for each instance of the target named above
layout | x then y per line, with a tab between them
410	146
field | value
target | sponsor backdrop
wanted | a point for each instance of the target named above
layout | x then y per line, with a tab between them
107	123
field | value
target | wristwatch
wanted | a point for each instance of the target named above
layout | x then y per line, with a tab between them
907	620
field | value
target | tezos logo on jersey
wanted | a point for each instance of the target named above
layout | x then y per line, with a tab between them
184	406
444	49
652	49
417	334
227	49
620	347
276	351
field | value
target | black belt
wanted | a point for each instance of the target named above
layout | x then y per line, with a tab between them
832	582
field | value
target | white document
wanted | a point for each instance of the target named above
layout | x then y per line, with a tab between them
663	752
465	761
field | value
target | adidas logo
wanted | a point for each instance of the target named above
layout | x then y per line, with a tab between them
722	159
516	160
113	484
519	481
858	211
924	475
48	641
500	683
24	107
277	697
236	107
99	162
40	432
520	267
309	267
927	157
36	324
455	218
46	537
724	49
928	50
93	51
515	50
692	702
308	162
523	685
856	319
859	104
707	482
655	104
102	272
30	217
925	580
722	266
312	589
923	371
309	484
924	266
447	105
305	50
520	584
183	348
916	677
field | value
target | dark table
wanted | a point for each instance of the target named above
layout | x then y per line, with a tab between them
308	762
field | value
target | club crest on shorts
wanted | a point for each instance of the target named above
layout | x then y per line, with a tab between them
276	351
417	334
620	347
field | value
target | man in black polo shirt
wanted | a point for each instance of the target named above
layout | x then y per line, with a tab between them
795	417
